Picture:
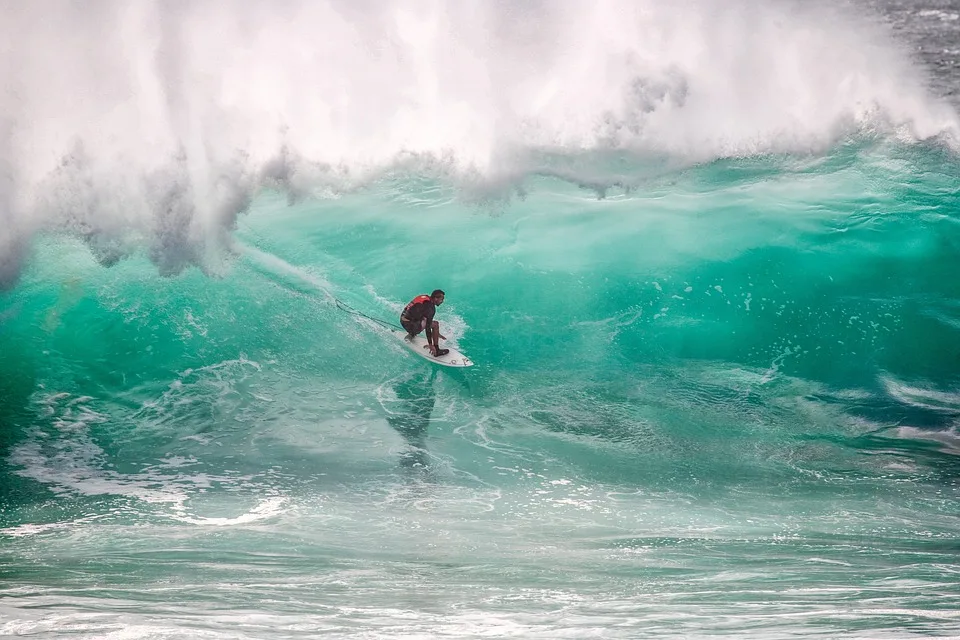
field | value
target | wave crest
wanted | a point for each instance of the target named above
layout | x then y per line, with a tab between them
154	124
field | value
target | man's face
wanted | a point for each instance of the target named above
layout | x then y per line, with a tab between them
437	300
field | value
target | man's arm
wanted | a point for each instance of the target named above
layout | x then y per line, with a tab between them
428	322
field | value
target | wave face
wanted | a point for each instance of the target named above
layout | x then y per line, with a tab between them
703	256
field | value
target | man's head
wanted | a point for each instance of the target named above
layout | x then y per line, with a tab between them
437	296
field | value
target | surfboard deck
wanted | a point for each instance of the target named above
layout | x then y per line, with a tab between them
419	346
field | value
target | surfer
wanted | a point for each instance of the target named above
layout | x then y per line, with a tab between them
418	315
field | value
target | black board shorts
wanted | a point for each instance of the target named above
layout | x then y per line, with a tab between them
412	327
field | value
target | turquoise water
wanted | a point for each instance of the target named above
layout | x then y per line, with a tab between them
715	391
721	403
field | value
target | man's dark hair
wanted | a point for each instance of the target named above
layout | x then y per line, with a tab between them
438	292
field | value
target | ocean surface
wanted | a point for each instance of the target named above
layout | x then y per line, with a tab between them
705	256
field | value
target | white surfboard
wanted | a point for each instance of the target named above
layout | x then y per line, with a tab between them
419	346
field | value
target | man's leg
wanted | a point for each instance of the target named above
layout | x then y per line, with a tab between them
435	338
423	325
410	327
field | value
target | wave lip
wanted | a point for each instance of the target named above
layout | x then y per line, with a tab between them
157	135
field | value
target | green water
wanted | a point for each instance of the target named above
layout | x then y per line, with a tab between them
719	402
